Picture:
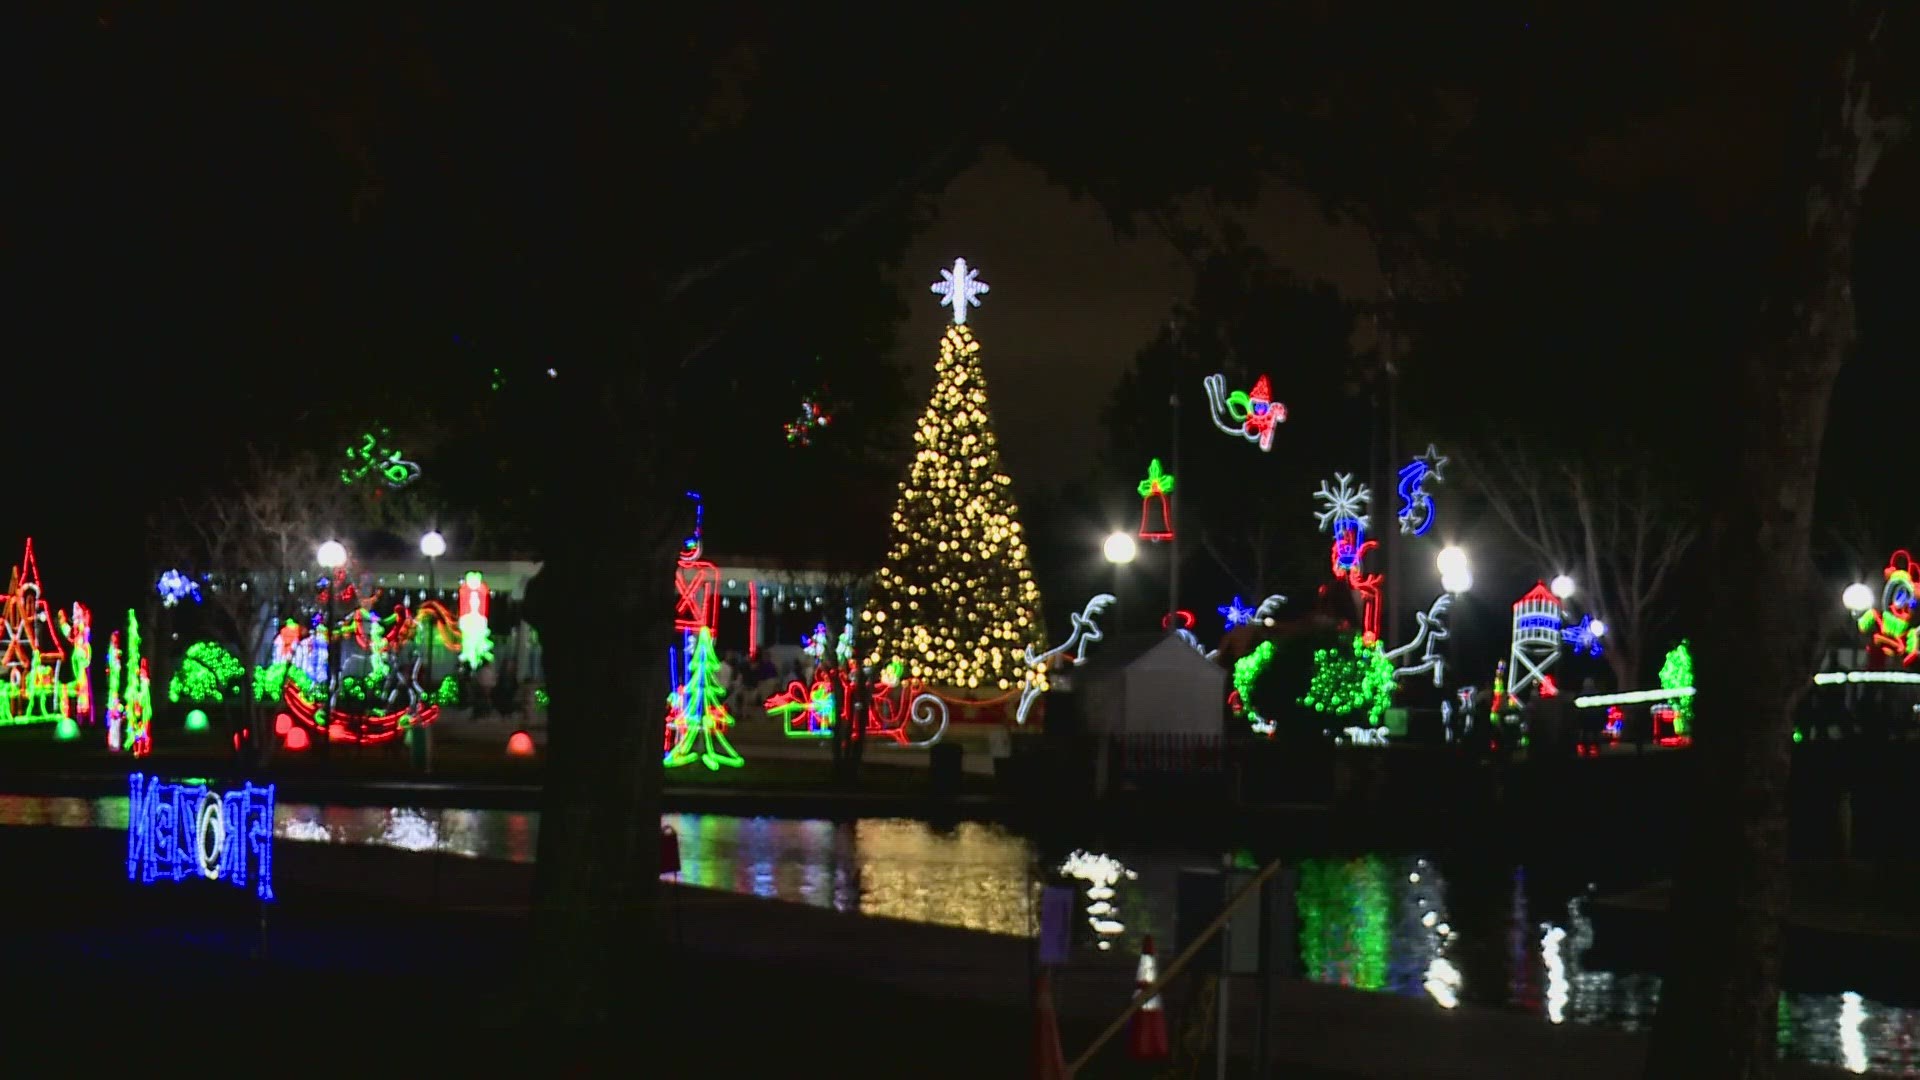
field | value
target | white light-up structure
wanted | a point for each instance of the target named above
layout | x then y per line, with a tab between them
960	288
1857	598
1537	623
332	555
1120	548
1456	576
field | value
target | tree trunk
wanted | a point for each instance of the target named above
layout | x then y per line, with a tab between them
1624	662
602	616
1718	1007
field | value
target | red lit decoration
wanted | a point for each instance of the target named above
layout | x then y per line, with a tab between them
1154	490
296	739
1183	617
697	585
753	621
367	729
1893	631
520	744
1348	551
896	707
32	657
1549	688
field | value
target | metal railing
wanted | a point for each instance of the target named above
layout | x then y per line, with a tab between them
1174	969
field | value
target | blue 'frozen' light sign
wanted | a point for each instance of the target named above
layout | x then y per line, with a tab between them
176	831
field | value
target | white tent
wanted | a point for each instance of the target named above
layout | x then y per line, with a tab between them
1159	687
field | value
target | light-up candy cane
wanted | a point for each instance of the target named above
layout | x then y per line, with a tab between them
1250	416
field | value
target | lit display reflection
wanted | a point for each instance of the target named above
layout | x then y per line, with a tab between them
1375	922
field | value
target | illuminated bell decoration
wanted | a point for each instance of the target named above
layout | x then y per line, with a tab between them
1156	512
955	600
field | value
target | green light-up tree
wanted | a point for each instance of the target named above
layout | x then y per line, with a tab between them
697	722
1354	679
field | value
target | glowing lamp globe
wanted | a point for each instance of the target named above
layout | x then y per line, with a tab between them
520	744
66	730
1120	548
332	555
296	739
1457	582
282	724
1597	628
1452	560
1562	586
197	720
1858	597
433	545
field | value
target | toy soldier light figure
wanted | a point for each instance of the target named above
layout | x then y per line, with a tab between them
696	585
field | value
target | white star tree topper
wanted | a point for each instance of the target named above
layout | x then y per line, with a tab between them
960	288
1343	503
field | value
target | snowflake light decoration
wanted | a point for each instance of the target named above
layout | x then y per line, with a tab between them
960	288
1236	613
1344	504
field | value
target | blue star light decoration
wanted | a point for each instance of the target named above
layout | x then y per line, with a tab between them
960	288
1344	503
1580	638
1236	613
1416	511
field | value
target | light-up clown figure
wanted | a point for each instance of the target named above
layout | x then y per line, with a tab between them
1894	633
1251	415
476	636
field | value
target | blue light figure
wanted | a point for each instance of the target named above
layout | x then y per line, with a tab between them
1582	637
1236	613
1416	511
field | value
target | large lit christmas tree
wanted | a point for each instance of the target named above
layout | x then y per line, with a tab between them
956	601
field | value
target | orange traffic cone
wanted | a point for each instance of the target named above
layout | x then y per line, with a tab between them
1147	1033
1049	1060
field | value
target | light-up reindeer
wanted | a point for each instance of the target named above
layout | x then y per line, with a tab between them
1433	631
1085	633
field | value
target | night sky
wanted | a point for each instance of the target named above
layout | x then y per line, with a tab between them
1072	303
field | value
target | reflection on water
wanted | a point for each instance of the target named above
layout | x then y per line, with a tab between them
1383	923
973	876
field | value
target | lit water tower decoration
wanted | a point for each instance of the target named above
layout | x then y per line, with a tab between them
1536	637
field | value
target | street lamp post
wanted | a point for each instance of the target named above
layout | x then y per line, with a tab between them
420	739
331	556
1119	550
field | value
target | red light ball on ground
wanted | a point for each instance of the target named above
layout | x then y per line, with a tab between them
520	744
297	739
282	724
